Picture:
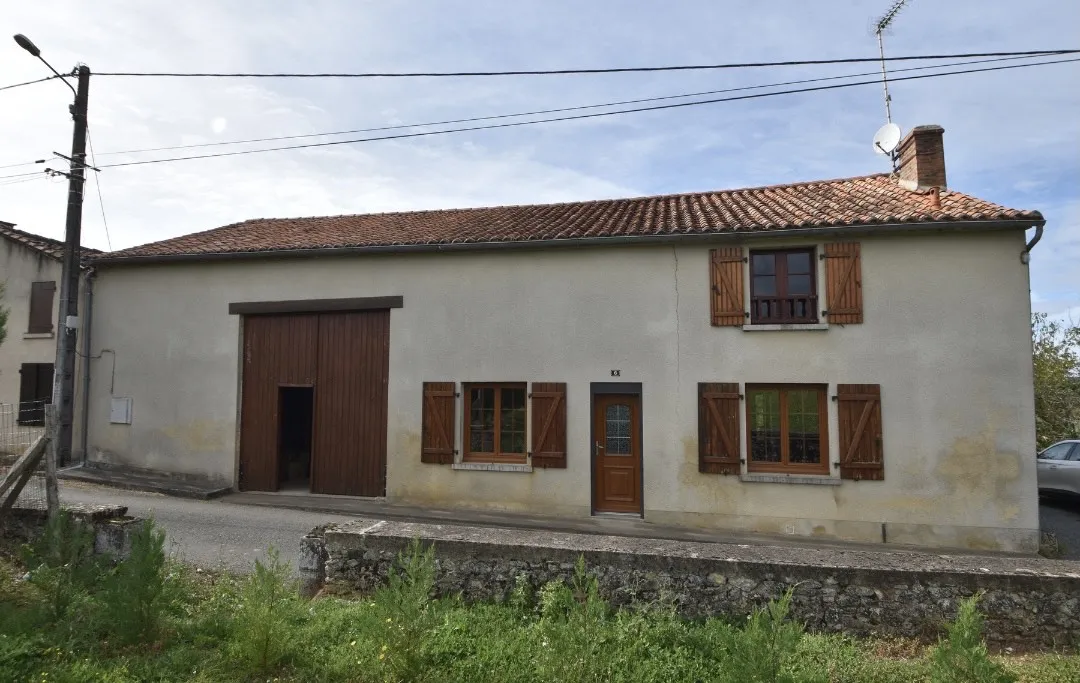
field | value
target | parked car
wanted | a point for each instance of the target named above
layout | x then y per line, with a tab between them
1059	468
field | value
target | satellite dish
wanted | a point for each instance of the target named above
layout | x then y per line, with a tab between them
887	138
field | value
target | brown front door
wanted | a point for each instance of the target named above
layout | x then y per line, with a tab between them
617	453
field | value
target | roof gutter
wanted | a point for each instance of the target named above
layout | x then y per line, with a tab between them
617	240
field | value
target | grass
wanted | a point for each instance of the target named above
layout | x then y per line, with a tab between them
65	616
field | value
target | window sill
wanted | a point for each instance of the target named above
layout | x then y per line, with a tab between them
781	328
492	467
819	479
38	335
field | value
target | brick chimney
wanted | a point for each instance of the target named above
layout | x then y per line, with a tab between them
922	159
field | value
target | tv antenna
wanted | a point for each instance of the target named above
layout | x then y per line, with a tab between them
879	28
888	136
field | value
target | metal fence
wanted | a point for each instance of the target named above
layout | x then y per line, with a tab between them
20	426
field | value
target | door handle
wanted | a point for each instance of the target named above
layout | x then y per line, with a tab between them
597	448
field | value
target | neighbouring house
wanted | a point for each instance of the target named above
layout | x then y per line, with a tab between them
30	269
842	359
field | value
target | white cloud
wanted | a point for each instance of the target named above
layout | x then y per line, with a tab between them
1010	135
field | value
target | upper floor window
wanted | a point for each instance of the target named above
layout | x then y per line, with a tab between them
783	287
41	307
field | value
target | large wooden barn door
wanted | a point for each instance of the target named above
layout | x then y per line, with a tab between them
278	350
351	404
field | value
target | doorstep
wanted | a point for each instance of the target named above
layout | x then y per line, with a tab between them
132	480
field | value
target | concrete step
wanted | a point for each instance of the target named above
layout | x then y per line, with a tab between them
143	481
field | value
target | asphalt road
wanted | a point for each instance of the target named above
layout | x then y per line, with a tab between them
210	534
214	534
1062	516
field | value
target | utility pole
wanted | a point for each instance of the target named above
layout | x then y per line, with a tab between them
68	324
63	398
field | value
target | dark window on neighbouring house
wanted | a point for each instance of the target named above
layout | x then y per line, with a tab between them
783	287
41	307
495	423
787	429
35	392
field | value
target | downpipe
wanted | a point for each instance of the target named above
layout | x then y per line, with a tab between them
1025	255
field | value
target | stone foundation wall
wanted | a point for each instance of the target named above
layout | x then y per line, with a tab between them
1028	602
112	526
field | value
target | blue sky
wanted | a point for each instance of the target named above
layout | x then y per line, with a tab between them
1012	137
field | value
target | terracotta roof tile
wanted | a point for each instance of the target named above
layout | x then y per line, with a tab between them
866	200
44	245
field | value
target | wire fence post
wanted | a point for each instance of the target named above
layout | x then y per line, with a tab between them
52	489
24	456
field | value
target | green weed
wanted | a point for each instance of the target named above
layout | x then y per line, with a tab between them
962	656
61	564
218	627
141	591
766	645
269	610
409	612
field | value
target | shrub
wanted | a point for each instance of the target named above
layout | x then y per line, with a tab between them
573	630
962	657
62	565
269	607
410	612
762	649
138	592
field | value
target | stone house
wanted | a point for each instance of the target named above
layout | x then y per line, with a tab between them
844	359
30	269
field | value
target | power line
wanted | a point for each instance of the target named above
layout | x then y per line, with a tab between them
22	175
97	186
19	181
554	72
25	163
539	112
19	85
514	124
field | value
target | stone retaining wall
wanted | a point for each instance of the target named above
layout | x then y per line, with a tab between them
112	526
1028	601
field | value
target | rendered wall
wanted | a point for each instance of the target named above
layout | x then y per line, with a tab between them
946	335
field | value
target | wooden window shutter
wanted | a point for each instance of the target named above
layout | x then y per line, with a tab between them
861	452
41	307
549	424
718	428
843	273
437	438
726	286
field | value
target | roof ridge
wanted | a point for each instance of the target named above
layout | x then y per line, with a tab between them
576	202
867	200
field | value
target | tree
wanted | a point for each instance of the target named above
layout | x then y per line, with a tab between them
1057	379
3	317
